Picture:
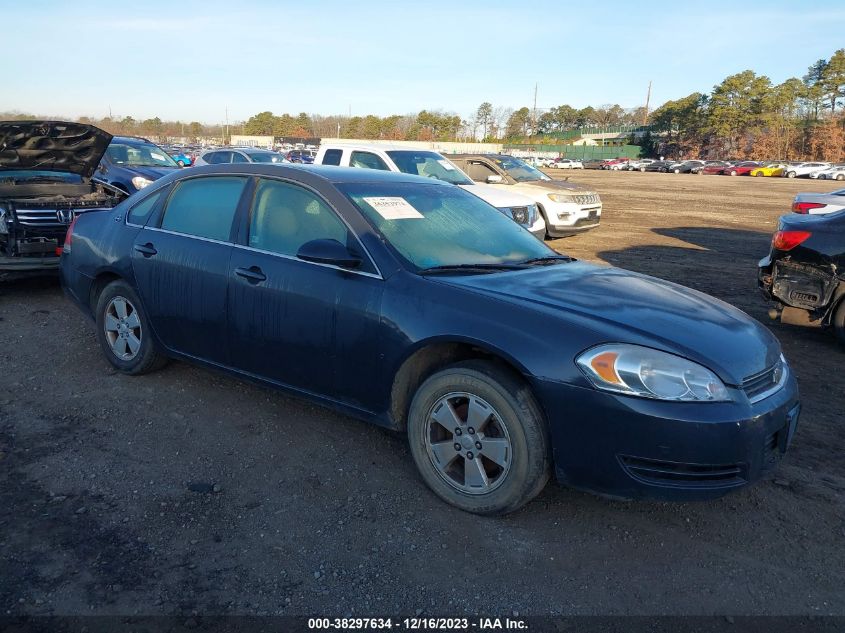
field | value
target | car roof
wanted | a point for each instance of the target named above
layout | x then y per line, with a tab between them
379	147
334	175
130	140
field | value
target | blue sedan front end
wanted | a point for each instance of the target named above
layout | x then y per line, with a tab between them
639	448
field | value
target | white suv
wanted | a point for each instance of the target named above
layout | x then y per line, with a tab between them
567	208
422	162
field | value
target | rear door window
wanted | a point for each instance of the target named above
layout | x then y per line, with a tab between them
332	157
237	157
204	207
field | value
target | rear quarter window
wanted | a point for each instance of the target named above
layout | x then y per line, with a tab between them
140	213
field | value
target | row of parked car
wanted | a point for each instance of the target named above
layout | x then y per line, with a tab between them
814	169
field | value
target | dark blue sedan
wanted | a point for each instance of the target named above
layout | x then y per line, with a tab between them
413	304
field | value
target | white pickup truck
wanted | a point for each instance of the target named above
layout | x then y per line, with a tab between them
421	162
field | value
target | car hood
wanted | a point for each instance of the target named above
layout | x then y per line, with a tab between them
52	146
552	185
623	306
499	197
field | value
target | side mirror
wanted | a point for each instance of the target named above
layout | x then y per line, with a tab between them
494	179
328	252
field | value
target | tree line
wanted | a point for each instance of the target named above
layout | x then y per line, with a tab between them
744	116
747	116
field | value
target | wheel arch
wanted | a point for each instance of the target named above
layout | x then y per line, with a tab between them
101	280
433	354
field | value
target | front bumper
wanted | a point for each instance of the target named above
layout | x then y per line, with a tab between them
23	265
638	448
563	218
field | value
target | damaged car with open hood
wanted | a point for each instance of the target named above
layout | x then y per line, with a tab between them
45	182
804	273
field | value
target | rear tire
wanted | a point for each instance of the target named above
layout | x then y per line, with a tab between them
516	464
840	177
124	332
733	173
791	174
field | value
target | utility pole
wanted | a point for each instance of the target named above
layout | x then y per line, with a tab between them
534	114
227	123
647	99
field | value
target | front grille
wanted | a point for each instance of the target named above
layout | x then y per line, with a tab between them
591	219
684	475
592	198
44	217
759	386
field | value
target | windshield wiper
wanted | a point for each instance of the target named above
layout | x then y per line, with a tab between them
548	259
470	268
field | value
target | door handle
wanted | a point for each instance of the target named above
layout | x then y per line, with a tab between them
253	274
147	250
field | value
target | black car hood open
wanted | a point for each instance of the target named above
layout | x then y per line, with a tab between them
52	146
623	306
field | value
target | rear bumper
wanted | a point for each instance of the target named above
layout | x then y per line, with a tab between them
23	266
638	448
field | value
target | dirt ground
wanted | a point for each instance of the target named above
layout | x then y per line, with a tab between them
109	506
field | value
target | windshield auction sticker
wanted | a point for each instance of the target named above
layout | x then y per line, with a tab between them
393	208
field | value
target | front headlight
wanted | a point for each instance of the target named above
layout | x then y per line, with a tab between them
139	182
641	371
561	197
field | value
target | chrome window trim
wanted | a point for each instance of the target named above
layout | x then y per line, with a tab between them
196	237
376	275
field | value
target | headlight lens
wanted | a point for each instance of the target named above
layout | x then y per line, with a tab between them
649	373
561	197
139	182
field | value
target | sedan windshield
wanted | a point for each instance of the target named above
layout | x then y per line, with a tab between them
265	157
431	164
435	225
139	155
519	170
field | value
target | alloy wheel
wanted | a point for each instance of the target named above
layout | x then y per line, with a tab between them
468	443
122	325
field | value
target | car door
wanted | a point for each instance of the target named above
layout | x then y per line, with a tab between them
181	265
310	326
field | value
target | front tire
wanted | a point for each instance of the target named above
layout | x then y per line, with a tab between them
838	322
791	174
840	177
479	439
124	332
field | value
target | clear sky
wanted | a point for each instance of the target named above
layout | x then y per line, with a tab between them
189	60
